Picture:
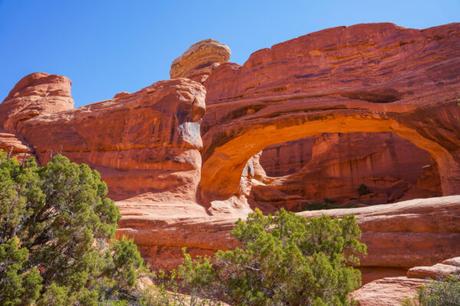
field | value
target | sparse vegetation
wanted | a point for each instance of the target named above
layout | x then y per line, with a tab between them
445	292
441	293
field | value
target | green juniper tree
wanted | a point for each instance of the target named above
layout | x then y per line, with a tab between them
56	230
283	259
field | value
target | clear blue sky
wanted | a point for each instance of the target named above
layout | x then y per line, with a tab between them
107	46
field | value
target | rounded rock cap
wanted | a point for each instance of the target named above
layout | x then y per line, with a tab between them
200	58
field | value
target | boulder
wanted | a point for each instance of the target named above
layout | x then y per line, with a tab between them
390	291
437	271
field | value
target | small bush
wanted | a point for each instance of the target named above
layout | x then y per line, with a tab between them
441	293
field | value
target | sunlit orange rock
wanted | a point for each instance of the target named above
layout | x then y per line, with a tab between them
406	234
200	60
14	146
35	94
398	236
145	142
368	78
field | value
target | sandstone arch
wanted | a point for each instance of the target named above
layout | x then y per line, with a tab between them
363	78
346	169
229	148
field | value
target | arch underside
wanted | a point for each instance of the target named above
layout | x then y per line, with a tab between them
229	147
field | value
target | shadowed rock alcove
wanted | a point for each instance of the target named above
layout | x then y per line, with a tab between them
341	170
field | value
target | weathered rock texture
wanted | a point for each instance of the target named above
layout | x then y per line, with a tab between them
14	146
398	236
393	291
389	291
334	166
145	142
35	94
199	60
360	79
406	234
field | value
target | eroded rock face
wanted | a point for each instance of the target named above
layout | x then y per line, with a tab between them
33	95
14	146
333	167
402	235
200	59
145	142
339	80
390	291
396	290
398	236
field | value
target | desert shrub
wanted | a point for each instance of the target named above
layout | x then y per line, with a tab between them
56	237
441	293
283	259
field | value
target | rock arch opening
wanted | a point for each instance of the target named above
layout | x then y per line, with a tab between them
229	150
341	170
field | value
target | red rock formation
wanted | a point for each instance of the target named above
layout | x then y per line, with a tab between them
35	94
198	62
143	142
398	236
405	234
390	291
14	146
333	166
288	157
359	79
